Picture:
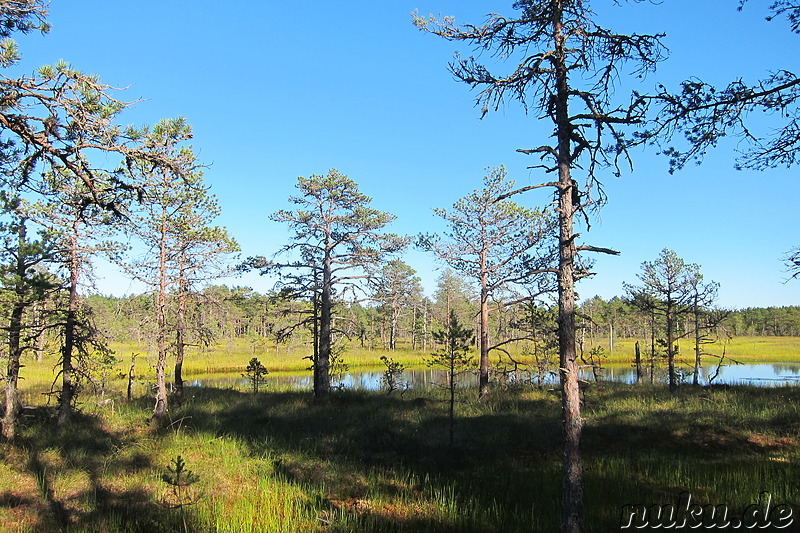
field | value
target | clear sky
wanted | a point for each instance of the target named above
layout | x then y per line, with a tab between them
276	90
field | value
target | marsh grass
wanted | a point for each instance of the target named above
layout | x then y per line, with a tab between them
361	461
232	358
229	358
742	349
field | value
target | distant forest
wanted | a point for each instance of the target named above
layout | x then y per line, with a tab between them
221	314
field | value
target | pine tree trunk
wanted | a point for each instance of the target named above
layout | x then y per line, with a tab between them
611	336
39	312
67	385
323	379
425	329
315	341
572	424
393	328
160	408
180	339
452	383
696	373
638	363
13	404
652	347
414	327
673	385
483	389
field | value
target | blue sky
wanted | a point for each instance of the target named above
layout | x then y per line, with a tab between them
276	90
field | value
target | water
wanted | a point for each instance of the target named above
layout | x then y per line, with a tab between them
421	379
763	375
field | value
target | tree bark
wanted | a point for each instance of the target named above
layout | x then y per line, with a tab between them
393	326
696	310
673	385
652	346
160	408
483	388
414	327
180	338
67	385
425	329
452	387
315	348
572	424
611	335
13	404
39	316
323	378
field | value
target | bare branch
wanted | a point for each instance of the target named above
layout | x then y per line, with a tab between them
588	248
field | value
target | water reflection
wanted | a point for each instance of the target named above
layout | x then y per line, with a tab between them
765	375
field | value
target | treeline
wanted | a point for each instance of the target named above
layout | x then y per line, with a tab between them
224	315
620	317
77	184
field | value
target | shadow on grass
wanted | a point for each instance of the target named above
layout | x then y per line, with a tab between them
504	472
374	463
718	422
390	456
68	467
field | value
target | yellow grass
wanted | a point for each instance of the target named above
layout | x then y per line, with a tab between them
742	349
233	357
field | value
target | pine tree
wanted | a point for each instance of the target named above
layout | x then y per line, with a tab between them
501	247
24	282
339	243
66	209
567	68
396	286
173	223
456	342
669	287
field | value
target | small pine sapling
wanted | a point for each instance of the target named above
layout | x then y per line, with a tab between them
180	479
456	341
391	376
596	356
256	373
338	368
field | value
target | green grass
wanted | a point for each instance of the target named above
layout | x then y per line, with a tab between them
360	461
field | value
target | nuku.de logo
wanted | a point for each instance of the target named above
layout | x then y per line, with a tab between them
686	513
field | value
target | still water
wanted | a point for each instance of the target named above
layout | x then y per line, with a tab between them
764	375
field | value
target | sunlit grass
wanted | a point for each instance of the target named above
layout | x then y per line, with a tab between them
742	349
361	461
225	358
232	358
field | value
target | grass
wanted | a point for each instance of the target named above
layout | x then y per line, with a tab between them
361	461
233	357
742	349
